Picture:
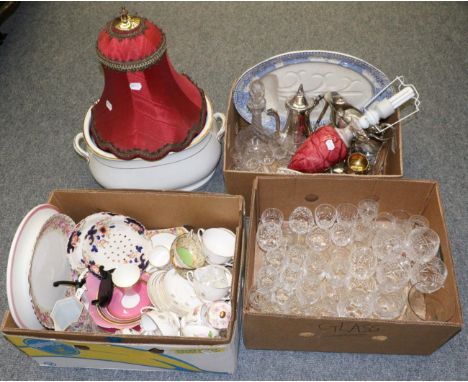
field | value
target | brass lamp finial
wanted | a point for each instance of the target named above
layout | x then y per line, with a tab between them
126	22
123	14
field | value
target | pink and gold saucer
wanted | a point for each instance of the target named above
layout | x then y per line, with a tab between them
124	310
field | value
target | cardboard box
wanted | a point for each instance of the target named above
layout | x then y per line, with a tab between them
155	210
240	182
288	332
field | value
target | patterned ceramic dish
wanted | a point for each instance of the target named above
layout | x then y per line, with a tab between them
179	293
153	290
319	71
19	261
49	263
108	239
168	291
75	240
166	236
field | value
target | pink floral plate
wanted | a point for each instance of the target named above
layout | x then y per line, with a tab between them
19	260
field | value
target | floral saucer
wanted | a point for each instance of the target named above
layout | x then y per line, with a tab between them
166	236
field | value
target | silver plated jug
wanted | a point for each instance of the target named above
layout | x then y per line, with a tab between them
297	125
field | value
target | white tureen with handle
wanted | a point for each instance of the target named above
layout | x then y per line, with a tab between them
185	170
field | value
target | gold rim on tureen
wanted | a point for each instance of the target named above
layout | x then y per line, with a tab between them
106	155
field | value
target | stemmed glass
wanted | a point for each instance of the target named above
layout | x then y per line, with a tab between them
281	296
363	262
388	242
295	254
315	267
418	221
318	239
301	221
339	267
429	276
393	275
436	306
401	219
362	230
307	292
341	234
325	216
260	298
291	275
269	236
355	303
368	285
275	257
267	276
390	306
423	244
272	215
368	209
384	220
347	214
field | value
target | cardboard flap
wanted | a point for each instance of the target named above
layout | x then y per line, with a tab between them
289	192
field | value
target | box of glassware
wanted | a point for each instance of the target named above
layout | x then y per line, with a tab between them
239	180
103	349
348	265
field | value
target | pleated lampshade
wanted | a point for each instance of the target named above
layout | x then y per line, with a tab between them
147	109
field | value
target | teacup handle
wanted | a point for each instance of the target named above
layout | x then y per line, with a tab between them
189	275
146	274
200	233
147	308
229	264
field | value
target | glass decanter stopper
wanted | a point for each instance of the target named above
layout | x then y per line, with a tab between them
257	102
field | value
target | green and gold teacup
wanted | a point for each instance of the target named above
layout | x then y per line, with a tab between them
186	252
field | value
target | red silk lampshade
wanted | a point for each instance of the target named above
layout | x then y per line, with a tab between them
147	109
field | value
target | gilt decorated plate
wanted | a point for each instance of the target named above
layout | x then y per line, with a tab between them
49	264
107	239
19	261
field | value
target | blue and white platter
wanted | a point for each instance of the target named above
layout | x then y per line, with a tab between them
319	71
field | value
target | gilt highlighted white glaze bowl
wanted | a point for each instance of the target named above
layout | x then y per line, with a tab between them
185	170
